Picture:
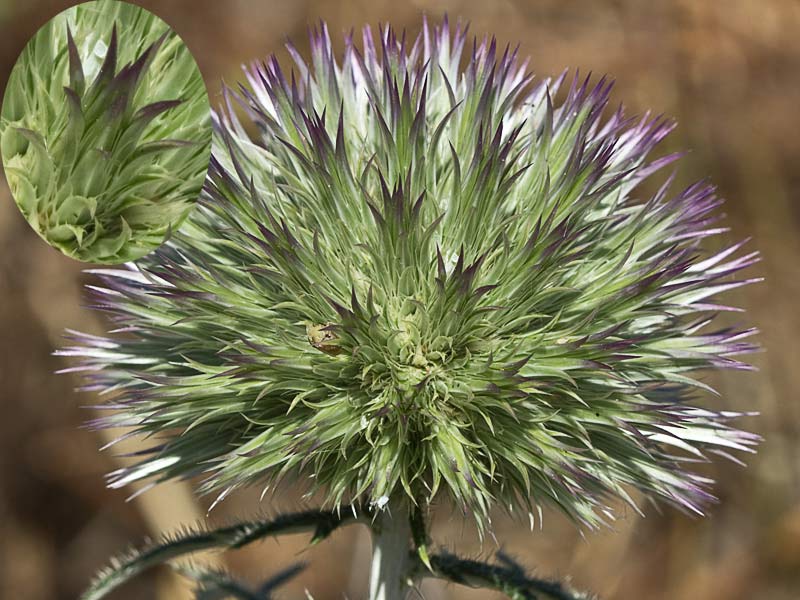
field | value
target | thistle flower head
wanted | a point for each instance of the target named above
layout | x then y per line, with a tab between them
105	131
415	274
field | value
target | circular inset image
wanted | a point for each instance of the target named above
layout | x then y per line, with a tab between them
105	132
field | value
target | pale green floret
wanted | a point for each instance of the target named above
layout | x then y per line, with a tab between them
105	132
417	277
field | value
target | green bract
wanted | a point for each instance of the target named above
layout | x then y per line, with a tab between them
417	274
105	132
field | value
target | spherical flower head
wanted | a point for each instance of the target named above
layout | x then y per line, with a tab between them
105	132
410	277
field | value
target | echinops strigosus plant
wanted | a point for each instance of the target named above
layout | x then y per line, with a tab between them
418	275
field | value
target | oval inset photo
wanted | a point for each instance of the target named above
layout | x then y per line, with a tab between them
105	132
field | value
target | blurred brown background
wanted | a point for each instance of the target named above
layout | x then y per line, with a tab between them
728	71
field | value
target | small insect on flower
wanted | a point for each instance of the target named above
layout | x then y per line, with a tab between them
412	275
323	338
105	132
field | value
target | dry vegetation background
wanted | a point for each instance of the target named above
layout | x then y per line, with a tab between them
727	70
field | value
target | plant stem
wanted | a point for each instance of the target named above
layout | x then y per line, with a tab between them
391	563
505	576
321	522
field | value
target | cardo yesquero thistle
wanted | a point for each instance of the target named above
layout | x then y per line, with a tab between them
105	131
410	277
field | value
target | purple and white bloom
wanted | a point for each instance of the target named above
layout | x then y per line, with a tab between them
420	272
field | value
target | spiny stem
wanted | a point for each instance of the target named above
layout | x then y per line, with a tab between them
391	555
508	578
400	557
321	522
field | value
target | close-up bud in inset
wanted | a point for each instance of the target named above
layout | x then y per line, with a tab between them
105	132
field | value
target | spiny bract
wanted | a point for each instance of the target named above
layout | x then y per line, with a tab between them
410	277
105	132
